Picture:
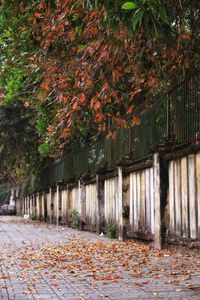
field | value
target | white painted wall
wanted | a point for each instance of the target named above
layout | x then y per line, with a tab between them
184	196
142	200
91	201
111	209
48	196
74	200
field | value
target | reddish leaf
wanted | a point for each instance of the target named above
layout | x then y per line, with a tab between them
186	37
45	86
93	31
82	99
38	15
132	95
75	105
26	104
65	133
97	105
129	111
50	129
135	121
71	36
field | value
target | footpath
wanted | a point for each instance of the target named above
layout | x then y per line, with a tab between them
39	261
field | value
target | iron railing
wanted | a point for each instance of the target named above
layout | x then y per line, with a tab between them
175	116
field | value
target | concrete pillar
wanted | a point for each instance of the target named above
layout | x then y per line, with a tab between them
38	205
198	191
120	202
67	205
31	206
82	191
24	205
184	197
57	204
28	198
12	197
157	202
51	204
43	206
65	200
100	203
192	196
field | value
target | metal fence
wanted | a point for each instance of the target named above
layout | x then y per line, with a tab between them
184	110
174	116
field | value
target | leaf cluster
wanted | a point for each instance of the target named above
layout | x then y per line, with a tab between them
72	71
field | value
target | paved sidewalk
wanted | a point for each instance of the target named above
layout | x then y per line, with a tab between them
38	261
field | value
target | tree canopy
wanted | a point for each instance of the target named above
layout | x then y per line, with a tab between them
72	71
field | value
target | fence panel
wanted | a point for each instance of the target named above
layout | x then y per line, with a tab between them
184	186
91	201
111	209
142	201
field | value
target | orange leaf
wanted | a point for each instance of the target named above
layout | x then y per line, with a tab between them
95	276
50	129
53	285
116	75
104	54
92	103
105	87
75	105
71	36
38	15
97	105
94	31
109	135
120	122
82	99
135	121
152	81
45	86
129	111
65	133
134	93
102	127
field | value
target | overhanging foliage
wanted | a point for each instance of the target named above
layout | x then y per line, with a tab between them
79	68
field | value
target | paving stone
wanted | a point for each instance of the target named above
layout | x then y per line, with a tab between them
22	283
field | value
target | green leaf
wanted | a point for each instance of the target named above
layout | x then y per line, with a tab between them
137	19
129	5
163	16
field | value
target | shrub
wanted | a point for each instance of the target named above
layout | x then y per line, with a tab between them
75	218
112	231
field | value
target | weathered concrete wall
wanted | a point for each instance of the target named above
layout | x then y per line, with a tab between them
74	200
91	204
141	187
48	200
184	197
130	198
64	206
111	209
